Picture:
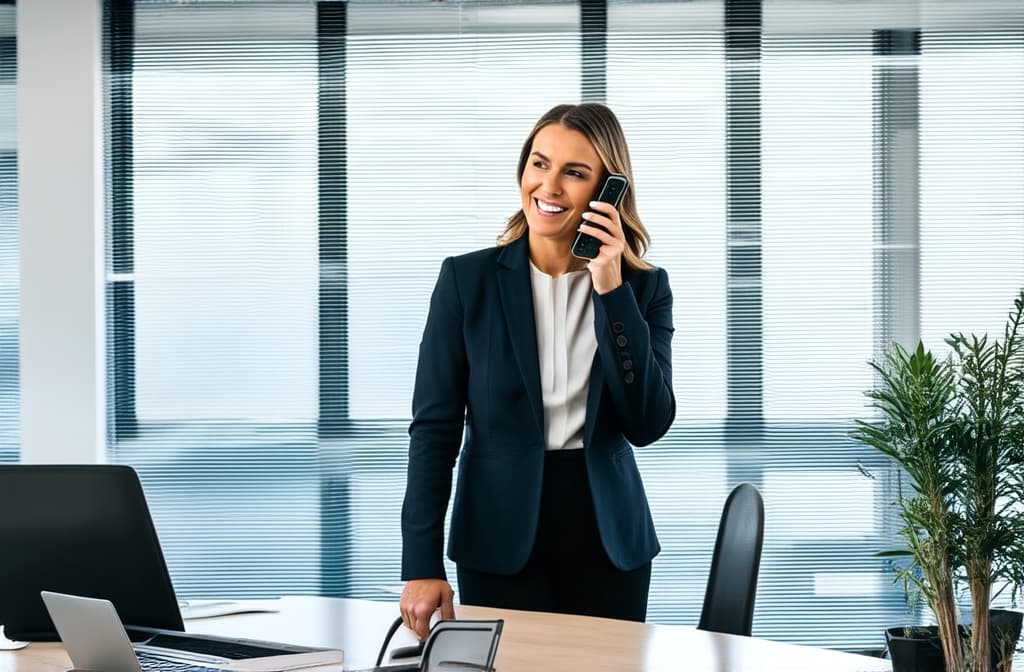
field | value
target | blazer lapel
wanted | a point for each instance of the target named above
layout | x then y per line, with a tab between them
516	292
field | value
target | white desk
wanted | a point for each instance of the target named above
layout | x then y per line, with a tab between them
530	642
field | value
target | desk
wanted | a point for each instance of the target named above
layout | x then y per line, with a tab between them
530	642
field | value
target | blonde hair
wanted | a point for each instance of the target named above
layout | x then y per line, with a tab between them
600	126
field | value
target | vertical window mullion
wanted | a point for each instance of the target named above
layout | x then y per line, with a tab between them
896	199
10	254
120	18
333	215
594	47
332	184
743	214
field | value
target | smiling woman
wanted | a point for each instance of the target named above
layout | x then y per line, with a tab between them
552	365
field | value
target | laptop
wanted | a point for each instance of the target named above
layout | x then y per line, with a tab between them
95	639
82	530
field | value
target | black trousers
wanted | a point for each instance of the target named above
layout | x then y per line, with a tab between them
568	570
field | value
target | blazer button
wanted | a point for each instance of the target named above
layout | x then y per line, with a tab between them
629	377
618	327
627	364
621	341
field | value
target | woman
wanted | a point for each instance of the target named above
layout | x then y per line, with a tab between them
547	367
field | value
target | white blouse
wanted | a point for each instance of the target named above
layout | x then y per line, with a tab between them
566	344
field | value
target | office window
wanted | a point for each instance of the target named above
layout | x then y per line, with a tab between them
212	286
972	169
225	216
439	100
817	236
288	176
677	143
10	419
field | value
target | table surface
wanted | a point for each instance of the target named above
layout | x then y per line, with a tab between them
530	641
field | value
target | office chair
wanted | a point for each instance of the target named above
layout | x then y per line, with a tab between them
732	583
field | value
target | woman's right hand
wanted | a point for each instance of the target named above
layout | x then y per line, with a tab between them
420	599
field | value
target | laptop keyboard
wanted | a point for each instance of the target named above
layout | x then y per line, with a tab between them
154	664
214	647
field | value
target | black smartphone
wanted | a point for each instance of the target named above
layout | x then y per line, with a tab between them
614	187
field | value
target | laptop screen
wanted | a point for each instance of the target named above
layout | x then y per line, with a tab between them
83	530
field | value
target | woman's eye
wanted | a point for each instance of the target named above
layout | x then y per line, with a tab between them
538	164
575	173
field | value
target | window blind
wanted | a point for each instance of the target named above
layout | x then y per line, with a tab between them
288	175
972	169
10	407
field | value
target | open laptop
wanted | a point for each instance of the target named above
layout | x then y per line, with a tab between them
82	530
95	639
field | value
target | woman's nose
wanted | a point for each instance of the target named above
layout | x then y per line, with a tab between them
552	186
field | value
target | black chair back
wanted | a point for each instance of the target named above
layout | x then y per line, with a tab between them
732	583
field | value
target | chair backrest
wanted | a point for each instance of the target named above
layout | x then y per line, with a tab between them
732	583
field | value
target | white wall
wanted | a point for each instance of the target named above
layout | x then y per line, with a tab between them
61	214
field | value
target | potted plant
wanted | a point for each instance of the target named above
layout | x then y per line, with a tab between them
956	427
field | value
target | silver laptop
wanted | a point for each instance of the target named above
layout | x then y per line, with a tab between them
95	639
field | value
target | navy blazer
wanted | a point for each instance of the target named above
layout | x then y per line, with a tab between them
478	371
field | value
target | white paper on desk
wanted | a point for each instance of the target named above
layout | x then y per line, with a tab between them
289	661
195	609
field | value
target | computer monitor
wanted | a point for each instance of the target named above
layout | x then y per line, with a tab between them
83	530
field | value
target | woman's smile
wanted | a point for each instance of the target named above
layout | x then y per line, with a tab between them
549	209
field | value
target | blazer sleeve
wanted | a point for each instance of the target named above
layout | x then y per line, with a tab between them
635	347
438	419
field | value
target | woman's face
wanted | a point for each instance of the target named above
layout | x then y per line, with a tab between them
561	177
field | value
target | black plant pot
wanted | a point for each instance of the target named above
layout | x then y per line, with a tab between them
918	649
915	649
1004	631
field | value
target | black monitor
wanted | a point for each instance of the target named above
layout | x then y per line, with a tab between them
83	530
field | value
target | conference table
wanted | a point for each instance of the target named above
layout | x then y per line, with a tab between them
530	641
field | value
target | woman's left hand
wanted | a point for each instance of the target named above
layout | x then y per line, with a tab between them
606	268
